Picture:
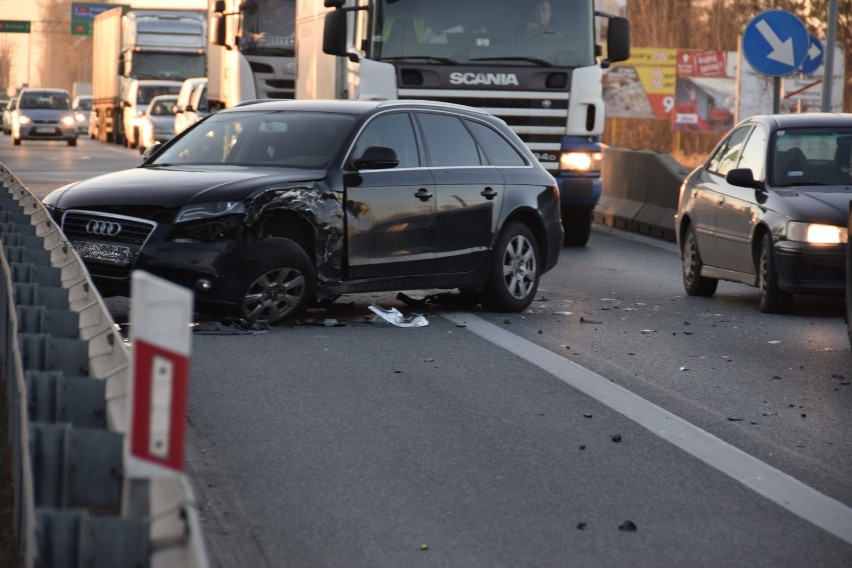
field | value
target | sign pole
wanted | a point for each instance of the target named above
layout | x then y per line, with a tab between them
828	70
776	95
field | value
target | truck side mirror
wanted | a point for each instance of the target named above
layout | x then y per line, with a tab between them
334	33
617	40
218	29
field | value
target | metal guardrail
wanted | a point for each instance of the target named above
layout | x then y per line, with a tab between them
67	377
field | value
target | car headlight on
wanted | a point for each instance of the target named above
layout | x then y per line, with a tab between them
816	233
208	210
80	117
580	162
68	120
23	119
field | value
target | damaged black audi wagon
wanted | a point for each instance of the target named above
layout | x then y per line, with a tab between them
263	207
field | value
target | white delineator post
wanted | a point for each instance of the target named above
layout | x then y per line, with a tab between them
160	314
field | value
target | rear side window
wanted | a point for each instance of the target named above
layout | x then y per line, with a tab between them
497	149
448	142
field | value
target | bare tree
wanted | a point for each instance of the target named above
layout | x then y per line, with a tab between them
66	58
6	57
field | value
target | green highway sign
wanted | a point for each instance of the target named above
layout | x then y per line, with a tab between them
14	27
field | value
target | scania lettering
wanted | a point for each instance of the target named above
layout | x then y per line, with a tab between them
542	78
483	79
252	51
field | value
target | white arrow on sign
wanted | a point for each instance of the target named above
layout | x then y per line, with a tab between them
782	51
814	52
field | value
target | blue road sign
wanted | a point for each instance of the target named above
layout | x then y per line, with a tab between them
814	57
775	43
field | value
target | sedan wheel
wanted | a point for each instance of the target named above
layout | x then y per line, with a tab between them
773	300
693	282
514	279
281	285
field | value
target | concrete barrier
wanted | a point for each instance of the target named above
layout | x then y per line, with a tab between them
640	192
66	371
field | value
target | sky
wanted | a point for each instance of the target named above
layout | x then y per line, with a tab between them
28	10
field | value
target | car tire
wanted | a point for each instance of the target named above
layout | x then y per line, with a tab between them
693	282
577	224
514	275
72	141
773	300
281	283
16	141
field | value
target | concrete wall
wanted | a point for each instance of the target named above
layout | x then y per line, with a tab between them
640	192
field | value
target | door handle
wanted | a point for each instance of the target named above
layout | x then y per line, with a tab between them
488	193
423	194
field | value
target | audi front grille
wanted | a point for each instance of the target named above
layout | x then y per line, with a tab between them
89	225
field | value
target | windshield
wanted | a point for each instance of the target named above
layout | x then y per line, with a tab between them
268	26
148	92
505	32
812	156
45	100
170	66
262	138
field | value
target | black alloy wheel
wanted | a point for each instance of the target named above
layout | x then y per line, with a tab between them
773	300
281	284
693	282
515	276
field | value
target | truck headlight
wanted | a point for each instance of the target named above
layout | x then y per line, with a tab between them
207	210
816	233
580	162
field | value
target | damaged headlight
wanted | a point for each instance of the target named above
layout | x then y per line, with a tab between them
816	233
207	210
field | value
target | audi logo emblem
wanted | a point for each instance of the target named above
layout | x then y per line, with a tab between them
103	228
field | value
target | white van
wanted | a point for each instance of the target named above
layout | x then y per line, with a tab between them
183	118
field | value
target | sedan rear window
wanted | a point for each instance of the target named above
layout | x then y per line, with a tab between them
284	139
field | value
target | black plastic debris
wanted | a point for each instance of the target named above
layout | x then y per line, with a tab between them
616	438
584	320
581	526
587	416
776	378
628	526
231	326
734	419
582	446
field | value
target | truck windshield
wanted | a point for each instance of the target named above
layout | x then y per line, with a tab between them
170	66
268	26
488	32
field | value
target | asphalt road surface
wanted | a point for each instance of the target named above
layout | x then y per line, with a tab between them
617	422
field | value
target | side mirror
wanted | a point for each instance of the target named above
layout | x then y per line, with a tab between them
377	158
334	33
743	177
151	150
617	40
219	6
188	108
218	29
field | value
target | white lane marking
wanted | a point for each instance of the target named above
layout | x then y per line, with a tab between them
780	488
